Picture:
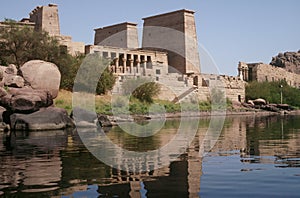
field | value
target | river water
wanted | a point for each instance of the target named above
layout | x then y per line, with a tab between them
253	156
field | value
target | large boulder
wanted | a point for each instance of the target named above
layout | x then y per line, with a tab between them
51	118
42	75
259	101
25	99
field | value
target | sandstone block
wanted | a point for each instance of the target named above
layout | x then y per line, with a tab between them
42	75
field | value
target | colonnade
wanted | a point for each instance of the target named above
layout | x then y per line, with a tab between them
125	63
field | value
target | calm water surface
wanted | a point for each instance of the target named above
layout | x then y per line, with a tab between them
254	156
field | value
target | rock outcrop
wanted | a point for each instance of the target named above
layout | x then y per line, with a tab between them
288	60
26	97
25	100
50	118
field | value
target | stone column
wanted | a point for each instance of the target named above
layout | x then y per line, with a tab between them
240	73
143	66
116	60
131	66
246	74
124	63
138	64
130	59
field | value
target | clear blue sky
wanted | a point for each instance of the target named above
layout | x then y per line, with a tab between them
231	30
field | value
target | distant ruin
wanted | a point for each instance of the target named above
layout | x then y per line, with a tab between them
46	18
267	73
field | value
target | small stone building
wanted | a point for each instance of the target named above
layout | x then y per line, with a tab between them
267	73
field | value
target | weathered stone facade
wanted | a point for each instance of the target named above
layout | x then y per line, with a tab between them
174	32
232	87
46	18
267	73
123	35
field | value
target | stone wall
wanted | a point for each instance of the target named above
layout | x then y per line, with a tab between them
74	48
263	72
233	87
123	35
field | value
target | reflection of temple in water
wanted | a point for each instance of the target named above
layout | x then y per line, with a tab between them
58	163
181	178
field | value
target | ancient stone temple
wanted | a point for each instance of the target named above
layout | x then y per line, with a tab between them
169	55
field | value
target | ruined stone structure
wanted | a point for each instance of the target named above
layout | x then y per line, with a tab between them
46	18
232	87
267	73
23	22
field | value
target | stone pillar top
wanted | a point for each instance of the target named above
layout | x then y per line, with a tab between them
170	13
124	24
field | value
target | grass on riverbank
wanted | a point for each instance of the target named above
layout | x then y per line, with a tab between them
103	105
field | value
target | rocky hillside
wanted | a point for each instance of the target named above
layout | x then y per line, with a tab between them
288	60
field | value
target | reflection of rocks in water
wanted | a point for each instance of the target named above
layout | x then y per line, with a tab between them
34	161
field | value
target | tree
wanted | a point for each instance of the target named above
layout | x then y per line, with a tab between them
19	44
94	75
142	89
68	66
271	92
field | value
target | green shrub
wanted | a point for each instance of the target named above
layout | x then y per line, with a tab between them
142	89
271	92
